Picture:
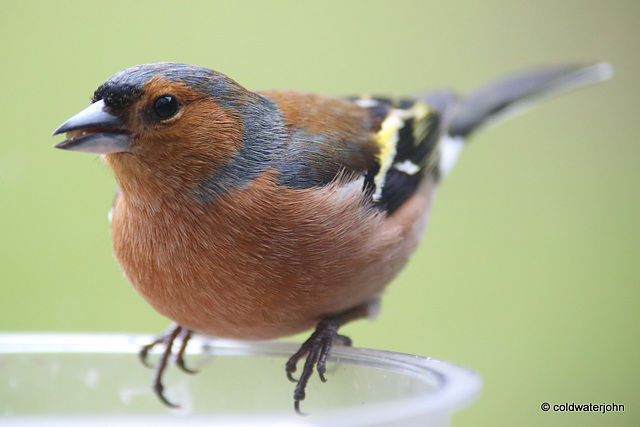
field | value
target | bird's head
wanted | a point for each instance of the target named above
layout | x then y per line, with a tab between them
169	123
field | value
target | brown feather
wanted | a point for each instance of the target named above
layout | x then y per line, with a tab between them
345	129
266	261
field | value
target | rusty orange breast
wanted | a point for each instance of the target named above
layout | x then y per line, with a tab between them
265	261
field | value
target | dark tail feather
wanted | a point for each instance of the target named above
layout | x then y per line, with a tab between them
506	97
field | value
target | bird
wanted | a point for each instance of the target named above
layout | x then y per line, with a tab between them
255	215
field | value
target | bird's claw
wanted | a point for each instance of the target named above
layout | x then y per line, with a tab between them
316	349
176	332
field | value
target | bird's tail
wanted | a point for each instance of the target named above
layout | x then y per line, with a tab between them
504	98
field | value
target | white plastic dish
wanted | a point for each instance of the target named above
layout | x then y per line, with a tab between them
82	379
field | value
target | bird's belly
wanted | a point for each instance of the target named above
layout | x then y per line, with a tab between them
265	279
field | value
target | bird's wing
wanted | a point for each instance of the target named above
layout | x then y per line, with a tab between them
425	136
389	143
408	139
394	143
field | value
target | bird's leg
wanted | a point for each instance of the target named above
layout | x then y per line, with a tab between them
175	332
318	346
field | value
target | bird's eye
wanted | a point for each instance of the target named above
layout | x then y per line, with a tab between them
166	106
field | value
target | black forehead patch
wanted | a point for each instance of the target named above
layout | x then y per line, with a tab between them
116	96
127	84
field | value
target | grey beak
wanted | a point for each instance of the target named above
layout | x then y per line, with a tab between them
95	130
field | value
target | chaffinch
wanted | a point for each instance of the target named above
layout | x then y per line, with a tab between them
256	215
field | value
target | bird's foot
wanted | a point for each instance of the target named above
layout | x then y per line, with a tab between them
167	339
316	348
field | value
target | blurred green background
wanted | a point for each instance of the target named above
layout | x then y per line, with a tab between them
529	273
